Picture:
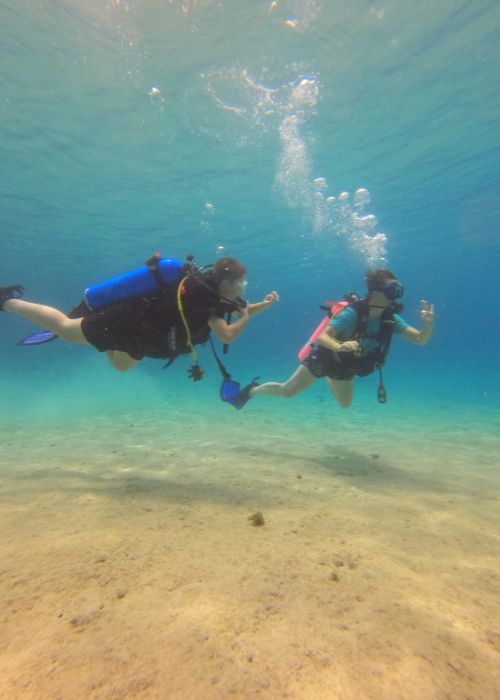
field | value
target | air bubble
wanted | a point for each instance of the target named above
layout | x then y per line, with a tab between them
320	182
361	197
368	221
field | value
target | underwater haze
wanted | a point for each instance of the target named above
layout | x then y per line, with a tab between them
312	140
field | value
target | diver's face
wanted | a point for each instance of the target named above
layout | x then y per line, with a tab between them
232	290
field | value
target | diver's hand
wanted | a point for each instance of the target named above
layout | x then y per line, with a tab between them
427	312
264	305
272	298
349	346
243	312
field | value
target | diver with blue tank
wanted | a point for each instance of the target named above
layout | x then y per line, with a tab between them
161	310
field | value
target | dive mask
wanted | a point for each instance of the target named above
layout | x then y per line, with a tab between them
393	290
241	285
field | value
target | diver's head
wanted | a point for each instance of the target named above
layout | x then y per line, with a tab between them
230	277
383	286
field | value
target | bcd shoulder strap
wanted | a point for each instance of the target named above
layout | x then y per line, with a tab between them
361	308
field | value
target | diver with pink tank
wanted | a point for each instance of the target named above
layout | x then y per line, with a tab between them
352	340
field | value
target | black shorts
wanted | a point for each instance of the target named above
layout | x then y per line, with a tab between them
337	365
139	327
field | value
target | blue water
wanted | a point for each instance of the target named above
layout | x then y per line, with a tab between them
226	129
310	139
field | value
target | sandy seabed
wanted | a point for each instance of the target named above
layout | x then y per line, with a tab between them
129	567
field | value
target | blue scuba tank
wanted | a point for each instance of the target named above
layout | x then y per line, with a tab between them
143	280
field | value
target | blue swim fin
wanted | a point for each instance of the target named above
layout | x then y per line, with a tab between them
229	389
38	338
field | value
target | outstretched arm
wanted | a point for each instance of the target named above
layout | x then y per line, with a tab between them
228	332
268	301
421	337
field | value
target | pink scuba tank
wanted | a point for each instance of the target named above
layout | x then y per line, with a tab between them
334	308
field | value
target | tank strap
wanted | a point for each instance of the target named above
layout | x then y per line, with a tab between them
153	266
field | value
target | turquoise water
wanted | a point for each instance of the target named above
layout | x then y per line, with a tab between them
226	128
310	139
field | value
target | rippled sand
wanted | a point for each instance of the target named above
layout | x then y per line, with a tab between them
129	567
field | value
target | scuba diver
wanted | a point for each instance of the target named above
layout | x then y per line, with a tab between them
161	310
353	340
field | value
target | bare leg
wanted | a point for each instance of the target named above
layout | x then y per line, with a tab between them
69	329
121	360
342	389
300	380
